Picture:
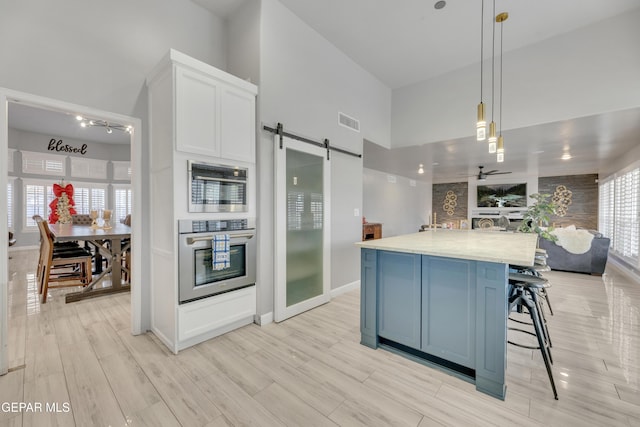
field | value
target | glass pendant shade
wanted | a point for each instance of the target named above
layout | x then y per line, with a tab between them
500	157
481	126
492	137
500	144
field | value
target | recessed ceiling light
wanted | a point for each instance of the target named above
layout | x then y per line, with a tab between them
566	156
538	152
435	164
440	4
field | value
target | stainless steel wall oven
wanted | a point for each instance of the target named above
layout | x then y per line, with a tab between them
217	188
197	276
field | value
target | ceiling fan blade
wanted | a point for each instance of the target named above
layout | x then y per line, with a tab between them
497	173
491	172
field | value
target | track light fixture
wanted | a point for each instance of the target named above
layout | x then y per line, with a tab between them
84	122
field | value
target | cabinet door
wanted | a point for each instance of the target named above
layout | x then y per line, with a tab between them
197	118
449	309
237	124
399	297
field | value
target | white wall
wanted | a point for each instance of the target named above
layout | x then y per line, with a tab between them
98	54
399	206
589	71
243	47
304	82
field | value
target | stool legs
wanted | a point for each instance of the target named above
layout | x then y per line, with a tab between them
520	297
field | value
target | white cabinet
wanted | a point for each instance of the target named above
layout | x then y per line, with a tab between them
215	113
196	112
237	127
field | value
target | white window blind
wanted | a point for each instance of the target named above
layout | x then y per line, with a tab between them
43	163
122	171
10	204
122	201
88	168
626	221
89	196
620	214
37	196
606	211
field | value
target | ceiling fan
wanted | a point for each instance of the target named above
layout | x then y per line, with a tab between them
483	175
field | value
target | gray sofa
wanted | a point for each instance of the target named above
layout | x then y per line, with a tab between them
591	262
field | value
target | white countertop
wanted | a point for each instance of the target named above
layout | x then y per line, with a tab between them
502	247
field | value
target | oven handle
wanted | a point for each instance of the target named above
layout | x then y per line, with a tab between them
192	240
207	178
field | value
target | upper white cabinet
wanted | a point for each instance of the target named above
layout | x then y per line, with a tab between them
237	127
197	113
215	112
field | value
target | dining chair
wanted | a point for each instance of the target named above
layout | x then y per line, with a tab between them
64	268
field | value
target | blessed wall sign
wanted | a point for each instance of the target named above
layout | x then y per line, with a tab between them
58	145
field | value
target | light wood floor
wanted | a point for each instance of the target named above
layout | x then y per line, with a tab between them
310	370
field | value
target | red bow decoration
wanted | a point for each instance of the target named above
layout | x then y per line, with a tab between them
58	190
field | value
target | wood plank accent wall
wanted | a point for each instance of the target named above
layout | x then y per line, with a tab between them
583	211
461	190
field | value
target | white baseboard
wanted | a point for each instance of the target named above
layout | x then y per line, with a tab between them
264	319
267	318
345	288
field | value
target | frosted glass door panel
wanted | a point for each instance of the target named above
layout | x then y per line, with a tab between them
305	223
302	228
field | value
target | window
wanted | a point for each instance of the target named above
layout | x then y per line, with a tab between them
620	214
606	205
89	196
43	163
10	204
37	196
121	201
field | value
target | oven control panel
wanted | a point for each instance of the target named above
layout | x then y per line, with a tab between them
213	225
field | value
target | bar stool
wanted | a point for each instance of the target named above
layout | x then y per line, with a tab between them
536	270
523	291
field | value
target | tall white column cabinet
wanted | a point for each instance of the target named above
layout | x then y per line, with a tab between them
196	112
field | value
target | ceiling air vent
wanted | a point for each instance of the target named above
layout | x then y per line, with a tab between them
348	122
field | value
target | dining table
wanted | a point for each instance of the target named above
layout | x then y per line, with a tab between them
110	243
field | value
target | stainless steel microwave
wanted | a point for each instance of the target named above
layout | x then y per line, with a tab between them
217	188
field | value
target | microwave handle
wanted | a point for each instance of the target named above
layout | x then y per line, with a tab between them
208	178
192	240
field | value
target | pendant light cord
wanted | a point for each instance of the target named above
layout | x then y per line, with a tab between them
501	26
493	62
481	47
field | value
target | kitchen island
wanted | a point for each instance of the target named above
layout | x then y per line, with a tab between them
440	297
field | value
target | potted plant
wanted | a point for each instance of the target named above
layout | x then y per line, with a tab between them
537	217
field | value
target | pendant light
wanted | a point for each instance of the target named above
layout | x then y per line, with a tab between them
500	149
481	125
492	126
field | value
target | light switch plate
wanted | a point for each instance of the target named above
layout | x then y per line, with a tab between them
356	212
